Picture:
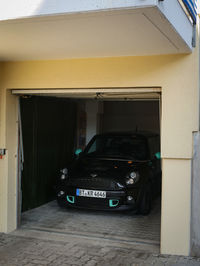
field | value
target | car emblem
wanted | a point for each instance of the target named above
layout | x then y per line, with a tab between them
93	175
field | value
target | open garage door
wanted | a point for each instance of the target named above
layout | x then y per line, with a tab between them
43	116
94	111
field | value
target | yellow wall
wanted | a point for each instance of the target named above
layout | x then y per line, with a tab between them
3	167
176	74
176	204
2	106
8	164
178	77
11	146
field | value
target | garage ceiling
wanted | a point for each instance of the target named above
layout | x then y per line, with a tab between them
101	34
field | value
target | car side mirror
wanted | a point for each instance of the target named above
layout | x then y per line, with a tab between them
157	155
78	152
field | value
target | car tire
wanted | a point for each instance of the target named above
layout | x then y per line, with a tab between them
146	201
60	203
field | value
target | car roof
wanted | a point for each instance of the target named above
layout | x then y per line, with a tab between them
130	133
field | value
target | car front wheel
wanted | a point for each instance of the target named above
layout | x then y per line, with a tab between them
146	201
61	203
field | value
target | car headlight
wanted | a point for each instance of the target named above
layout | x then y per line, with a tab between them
63	177
132	178
61	193
64	173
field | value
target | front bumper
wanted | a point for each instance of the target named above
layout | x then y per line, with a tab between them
115	200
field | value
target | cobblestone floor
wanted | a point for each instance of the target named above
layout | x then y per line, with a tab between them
53	236
118	225
32	251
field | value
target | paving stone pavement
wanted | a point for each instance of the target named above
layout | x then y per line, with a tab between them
95	223
33	251
53	236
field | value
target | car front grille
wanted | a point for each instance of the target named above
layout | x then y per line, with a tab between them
93	183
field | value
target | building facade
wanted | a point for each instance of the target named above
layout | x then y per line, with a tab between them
150	48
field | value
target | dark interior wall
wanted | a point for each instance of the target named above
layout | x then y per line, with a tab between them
48	128
129	115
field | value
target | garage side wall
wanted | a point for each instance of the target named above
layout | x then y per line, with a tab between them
178	77
8	163
2	108
3	161
12	156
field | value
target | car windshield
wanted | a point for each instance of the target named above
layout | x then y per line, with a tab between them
127	147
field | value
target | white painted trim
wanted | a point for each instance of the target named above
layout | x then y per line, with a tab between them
95	93
86	90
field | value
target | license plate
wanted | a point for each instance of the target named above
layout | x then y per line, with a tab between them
90	193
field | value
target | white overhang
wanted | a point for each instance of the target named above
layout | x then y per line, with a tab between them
148	27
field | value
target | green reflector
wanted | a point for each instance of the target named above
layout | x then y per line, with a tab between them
71	199
113	203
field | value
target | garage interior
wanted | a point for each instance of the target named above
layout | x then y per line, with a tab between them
53	126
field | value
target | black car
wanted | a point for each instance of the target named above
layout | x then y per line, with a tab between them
116	171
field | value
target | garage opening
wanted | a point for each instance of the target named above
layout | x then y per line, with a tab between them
55	124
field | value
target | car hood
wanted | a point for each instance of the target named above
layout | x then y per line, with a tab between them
101	173
103	167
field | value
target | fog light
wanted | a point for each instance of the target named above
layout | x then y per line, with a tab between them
129	198
129	181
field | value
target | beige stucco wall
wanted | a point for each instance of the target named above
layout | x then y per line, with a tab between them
2	103
176	196
3	163
8	164
178	77
11	146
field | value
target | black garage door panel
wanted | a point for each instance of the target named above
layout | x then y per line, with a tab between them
48	128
